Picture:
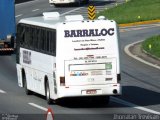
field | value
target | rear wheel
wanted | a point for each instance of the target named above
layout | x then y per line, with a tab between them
28	92
47	92
56	5
12	41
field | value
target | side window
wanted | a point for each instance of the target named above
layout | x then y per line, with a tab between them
32	38
43	40
27	37
47	41
39	37
52	42
35	38
20	34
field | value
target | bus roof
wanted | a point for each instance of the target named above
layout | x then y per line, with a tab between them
41	21
52	22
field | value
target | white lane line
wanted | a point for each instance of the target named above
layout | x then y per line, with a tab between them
35	10
71	11
120	101
113	99
19	15
126	49
75	9
38	106
24	3
2	91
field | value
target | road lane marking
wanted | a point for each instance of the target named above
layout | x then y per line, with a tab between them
19	15
2	91
38	106
113	99
80	8
120	101
126	49
35	10
71	11
76	9
24	3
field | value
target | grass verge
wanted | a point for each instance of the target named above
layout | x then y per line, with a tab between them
152	46
134	11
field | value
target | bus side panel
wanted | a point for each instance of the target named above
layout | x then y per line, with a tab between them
19	75
31	85
52	86
37	66
118	52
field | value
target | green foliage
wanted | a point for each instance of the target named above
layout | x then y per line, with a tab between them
134	11
152	45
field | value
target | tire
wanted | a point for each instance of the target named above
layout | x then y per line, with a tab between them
56	5
12	41
47	93
28	92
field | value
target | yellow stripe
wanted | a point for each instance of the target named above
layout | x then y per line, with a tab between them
92	18
91	7
91	14
139	23
91	10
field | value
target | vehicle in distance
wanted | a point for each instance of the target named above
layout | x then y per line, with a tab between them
68	57
60	2
7	26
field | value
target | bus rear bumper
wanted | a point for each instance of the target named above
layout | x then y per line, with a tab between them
93	90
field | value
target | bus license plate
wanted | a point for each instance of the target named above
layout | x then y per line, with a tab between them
91	91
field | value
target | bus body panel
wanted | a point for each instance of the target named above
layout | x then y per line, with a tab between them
86	60
86	63
78	72
19	75
100	90
36	66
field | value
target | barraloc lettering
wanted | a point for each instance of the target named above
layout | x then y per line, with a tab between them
89	32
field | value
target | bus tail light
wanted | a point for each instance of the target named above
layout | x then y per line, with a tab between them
62	81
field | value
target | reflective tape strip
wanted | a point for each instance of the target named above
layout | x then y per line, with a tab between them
6	49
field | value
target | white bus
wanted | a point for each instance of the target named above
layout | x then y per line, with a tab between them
68	57
59	2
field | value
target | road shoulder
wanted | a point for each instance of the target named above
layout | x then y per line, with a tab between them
134	50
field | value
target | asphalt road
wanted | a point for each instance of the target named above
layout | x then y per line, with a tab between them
141	83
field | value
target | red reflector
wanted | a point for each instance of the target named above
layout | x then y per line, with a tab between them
62	81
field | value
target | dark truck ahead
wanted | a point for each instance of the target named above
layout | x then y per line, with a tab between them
7	25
